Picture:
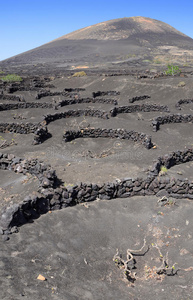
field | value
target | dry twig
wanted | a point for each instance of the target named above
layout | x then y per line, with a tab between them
129	264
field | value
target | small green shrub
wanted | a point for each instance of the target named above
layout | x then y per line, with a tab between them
11	78
79	74
181	84
147	60
156	61
164	169
172	70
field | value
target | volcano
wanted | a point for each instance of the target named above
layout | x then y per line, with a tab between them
94	164
124	40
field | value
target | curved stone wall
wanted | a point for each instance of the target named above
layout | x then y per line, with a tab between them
109	133
51	195
26	85
138	108
70	90
12	97
24	105
76	113
174	118
39	130
107	93
184	101
87	100
67	92
138	98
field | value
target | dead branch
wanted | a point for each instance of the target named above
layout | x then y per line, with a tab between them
165	268
129	264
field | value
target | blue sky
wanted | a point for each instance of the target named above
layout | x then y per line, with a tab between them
27	24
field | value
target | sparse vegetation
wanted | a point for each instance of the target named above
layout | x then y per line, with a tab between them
79	74
164	169
156	61
147	60
156	273
181	84
172	70
11	78
4	143
129	264
164	201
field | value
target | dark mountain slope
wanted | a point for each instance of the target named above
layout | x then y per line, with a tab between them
106	43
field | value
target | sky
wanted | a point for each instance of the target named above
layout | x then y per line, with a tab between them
27	24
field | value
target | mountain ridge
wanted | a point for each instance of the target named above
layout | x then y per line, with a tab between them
130	41
127	25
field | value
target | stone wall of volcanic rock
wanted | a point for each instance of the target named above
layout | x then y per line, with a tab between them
87	100
52	196
35	84
109	133
106	93
11	97
67	92
24	105
139	98
183	101
76	113
40	131
138	108
174	118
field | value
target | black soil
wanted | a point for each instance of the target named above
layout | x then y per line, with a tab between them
73	248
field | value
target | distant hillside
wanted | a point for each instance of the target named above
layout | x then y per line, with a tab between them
122	29
120	41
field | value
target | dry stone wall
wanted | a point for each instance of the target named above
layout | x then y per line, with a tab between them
25	105
76	113
184	101
32	85
107	93
11	97
70	90
39	130
138	108
67	92
172	118
138	98
87	100
51	195
109	133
